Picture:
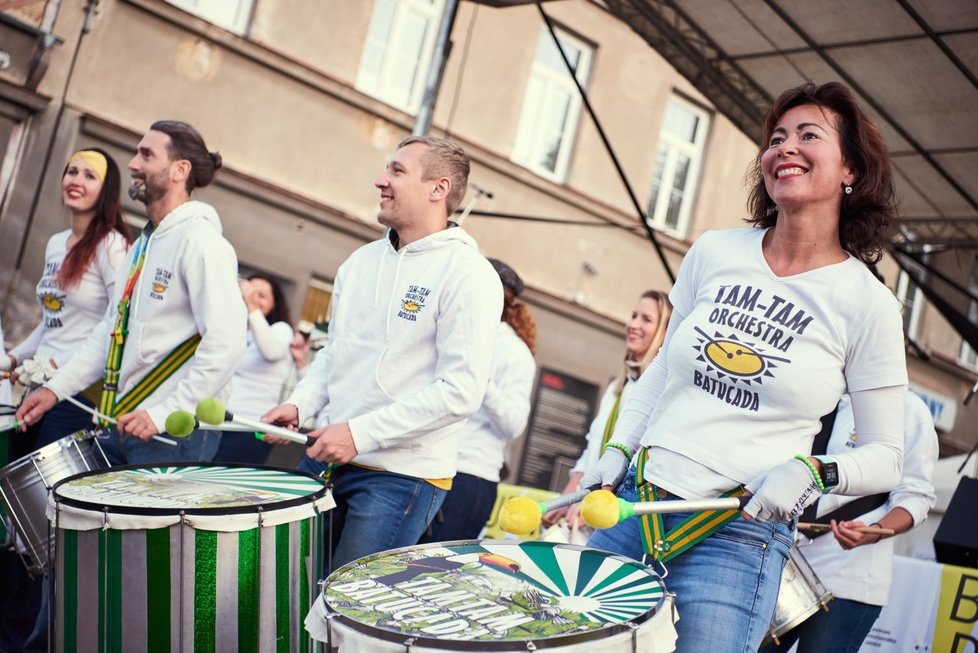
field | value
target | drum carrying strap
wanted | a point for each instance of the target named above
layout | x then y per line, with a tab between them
662	546
110	403
609	427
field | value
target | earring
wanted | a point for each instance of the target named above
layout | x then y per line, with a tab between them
848	189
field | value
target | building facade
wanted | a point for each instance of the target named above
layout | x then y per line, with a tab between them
305	101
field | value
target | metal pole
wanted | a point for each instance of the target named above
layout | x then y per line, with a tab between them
433	82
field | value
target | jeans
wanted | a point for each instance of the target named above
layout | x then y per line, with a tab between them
243	448
465	511
198	447
841	630
376	511
726	586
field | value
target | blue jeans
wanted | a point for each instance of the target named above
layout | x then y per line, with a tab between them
198	447
842	629
242	448
465	511
376	511
726	586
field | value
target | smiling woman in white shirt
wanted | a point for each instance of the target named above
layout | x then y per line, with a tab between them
265	367
74	291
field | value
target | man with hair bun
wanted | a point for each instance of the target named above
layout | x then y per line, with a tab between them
410	346
177	328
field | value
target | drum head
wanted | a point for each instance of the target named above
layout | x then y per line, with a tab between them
490	595
192	489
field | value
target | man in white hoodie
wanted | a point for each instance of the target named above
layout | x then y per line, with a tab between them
407	359
176	327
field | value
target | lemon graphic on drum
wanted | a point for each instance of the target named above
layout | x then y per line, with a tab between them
730	356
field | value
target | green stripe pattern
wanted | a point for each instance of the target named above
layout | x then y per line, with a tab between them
123	599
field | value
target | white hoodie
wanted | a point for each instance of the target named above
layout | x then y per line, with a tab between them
410	347
188	285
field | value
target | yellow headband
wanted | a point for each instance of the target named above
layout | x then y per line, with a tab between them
94	160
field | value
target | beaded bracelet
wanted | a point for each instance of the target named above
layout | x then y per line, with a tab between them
811	468
620	447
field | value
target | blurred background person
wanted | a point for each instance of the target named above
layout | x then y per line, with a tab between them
264	369
644	333
80	265
483	441
855	567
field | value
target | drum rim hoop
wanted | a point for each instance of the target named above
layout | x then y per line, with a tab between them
491	645
216	511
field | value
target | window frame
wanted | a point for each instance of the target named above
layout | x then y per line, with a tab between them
915	302
527	145
241	24
967	355
656	214
375	88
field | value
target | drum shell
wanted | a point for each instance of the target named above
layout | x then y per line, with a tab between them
800	595
26	483
174	582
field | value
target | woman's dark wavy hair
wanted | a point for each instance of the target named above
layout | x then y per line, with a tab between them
866	213
280	305
108	217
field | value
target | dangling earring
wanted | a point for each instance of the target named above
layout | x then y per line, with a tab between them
848	189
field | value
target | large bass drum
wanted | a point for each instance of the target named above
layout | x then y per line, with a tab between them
494	596
186	558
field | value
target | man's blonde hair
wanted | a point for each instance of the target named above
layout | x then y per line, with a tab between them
444	159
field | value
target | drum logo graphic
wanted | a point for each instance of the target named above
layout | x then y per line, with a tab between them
728	358
413	302
494	591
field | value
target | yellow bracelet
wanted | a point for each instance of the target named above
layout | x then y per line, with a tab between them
620	447
811	468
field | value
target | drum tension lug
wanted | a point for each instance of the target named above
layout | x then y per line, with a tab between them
408	643
530	646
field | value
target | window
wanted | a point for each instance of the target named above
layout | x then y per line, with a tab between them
232	15
677	166
911	304
968	355
398	51
319	296
551	106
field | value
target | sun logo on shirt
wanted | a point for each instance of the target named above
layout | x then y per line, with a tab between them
52	302
410	306
730	356
158	288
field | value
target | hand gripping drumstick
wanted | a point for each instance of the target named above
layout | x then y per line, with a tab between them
521	515
602	509
873	530
211	411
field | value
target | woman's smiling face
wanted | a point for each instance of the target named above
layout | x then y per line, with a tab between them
803	163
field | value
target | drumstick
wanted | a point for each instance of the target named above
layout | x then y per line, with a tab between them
875	530
521	515
13	425
110	420
211	411
602	509
180	424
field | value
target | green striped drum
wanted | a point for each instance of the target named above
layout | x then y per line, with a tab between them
494	596
186	558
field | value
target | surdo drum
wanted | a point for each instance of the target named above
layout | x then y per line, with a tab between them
494	596
186	558
26	482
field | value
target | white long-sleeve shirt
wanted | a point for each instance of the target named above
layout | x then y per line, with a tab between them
409	351
188	284
504	411
751	361
864	573
68	316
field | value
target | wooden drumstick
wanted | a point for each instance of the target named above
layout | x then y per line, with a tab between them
874	530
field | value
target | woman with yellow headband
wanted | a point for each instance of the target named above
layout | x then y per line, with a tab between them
75	288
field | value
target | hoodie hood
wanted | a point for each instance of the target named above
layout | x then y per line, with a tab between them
190	210
443	238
